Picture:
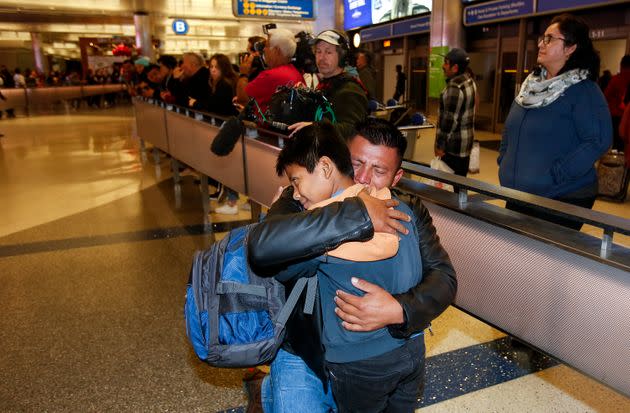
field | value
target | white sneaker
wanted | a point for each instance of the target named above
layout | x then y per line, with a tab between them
227	209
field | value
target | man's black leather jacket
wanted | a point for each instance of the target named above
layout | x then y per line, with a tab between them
290	234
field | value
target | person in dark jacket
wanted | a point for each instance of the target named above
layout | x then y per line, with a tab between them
222	83
366	72
195	90
401	80
280	240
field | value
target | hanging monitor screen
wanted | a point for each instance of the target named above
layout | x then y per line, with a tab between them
359	13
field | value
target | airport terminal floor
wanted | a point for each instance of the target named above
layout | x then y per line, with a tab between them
94	257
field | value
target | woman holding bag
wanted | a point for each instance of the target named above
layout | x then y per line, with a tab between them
559	123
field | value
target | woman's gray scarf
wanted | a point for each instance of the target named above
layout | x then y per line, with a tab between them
538	92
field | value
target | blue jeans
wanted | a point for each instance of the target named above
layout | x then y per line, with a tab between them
292	387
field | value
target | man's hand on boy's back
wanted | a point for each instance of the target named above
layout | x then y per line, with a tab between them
375	309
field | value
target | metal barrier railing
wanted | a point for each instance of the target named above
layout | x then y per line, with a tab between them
31	99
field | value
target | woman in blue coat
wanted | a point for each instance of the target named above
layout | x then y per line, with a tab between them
559	123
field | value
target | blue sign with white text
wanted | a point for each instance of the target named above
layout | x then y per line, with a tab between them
411	26
497	10
551	5
376	33
180	26
280	9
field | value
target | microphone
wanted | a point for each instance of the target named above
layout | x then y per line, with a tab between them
231	131
228	135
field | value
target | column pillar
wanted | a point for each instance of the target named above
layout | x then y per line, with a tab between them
447	32
36	42
447	27
142	22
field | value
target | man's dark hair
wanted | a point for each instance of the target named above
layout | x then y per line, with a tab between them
168	61
576	32
309	144
625	61
399	68
382	132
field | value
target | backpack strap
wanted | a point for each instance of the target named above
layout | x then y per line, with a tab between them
309	302
292	299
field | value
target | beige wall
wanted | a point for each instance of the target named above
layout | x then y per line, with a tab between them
610	52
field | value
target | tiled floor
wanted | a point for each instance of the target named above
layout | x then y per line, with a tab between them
95	251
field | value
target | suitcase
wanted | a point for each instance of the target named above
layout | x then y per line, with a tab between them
612	176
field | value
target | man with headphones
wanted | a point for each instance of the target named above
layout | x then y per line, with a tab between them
347	96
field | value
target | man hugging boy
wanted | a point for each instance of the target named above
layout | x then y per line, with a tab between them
369	371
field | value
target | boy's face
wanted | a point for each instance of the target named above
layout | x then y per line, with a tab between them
309	188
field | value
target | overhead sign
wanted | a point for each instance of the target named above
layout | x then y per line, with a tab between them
276	9
180	26
402	28
412	26
376	33
360	13
497	10
555	5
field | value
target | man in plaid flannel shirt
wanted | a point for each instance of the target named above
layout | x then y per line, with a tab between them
456	117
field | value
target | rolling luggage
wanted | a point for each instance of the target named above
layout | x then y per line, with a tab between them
612	176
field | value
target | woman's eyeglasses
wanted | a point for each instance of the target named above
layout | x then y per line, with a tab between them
546	39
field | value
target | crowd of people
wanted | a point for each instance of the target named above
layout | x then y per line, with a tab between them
29	78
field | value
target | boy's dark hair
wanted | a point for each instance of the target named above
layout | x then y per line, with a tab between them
168	61
382	132
311	143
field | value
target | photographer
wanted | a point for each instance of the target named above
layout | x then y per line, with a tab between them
277	55
251	66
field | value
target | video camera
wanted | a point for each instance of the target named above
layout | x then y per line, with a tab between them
304	59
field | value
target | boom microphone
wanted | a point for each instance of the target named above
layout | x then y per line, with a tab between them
228	135
231	131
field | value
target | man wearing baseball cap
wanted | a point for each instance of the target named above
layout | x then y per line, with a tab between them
456	116
346	95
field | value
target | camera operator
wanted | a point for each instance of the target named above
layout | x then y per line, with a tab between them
347	96
251	66
277	55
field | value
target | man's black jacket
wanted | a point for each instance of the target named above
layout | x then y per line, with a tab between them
288	235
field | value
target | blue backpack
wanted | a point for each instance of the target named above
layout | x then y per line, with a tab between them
235	318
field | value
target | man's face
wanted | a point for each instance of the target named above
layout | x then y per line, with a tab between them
361	61
309	188
449	69
155	76
327	59
375	165
164	71
189	66
271	56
